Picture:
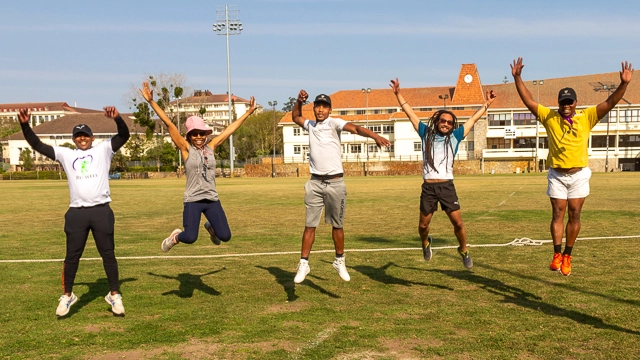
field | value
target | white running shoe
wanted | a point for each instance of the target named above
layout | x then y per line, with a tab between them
116	303
339	265
212	234
303	270
171	241
65	304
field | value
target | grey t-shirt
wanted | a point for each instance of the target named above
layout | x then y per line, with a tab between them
325	150
200	167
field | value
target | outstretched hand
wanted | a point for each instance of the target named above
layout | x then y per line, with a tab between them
146	92
252	104
516	67
24	115
490	97
111	112
303	96
395	86
626	72
380	141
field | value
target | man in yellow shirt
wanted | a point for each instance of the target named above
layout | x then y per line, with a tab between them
568	134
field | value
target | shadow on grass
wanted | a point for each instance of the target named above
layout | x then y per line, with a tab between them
380	274
517	296
189	283
568	286
375	240
97	289
285	279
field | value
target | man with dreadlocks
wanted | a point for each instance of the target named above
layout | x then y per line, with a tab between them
568	179
440	139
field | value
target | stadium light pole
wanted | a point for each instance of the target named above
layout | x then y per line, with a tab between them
608	89
366	114
228	23
537	83
444	98
273	156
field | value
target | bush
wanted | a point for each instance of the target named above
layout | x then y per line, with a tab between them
165	168
34	175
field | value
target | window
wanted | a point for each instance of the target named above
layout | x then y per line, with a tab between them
296	131
373	148
629	116
377	111
628	140
498	143
543	143
417	146
469	145
359	112
600	141
524	143
375	128
425	109
389	149
499	119
343	112
610	117
391	111
524	119
457	108
387	129
297	149
355	148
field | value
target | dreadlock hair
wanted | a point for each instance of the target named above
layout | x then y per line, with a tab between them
430	137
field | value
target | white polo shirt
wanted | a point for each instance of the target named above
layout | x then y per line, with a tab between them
325	150
87	173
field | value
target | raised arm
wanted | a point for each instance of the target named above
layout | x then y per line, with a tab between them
625	77
178	140
355	129
525	95
123	131
468	125
224	135
296	112
23	116
395	86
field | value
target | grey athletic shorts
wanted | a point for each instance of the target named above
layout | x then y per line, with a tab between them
328	194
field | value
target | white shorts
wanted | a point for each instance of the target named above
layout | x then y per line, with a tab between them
568	185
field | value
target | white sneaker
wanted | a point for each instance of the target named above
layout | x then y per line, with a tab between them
171	241
65	304
339	265
303	270
116	303
212	234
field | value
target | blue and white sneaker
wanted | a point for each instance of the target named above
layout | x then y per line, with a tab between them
65	304
212	234
116	303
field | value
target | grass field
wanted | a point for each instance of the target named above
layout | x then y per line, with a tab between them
397	306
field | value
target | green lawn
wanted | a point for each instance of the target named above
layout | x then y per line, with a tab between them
397	306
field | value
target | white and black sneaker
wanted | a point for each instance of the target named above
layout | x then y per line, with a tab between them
65	304
303	270
426	250
212	234
341	268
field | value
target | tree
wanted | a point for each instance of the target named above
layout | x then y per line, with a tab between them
119	162
27	159
162	152
136	147
8	128
255	137
288	106
69	145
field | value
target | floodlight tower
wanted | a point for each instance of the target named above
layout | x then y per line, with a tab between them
228	23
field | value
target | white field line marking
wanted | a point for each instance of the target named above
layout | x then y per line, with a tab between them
322	336
515	242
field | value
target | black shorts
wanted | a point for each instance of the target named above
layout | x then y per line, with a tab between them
443	192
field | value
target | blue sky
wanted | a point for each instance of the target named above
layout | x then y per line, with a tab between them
89	53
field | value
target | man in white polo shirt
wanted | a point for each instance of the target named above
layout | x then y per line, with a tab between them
326	188
87	170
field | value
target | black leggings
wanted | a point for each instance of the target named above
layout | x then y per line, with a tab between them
77	223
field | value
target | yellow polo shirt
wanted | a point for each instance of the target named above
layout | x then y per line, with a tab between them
568	144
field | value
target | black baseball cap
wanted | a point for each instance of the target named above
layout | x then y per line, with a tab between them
322	98
567	93
82	128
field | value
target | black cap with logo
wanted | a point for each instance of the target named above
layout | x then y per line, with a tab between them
322	98
82	128
566	94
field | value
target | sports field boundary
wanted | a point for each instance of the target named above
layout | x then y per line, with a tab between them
516	242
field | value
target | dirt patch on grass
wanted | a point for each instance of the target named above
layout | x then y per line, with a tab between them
404	348
107	327
287	307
